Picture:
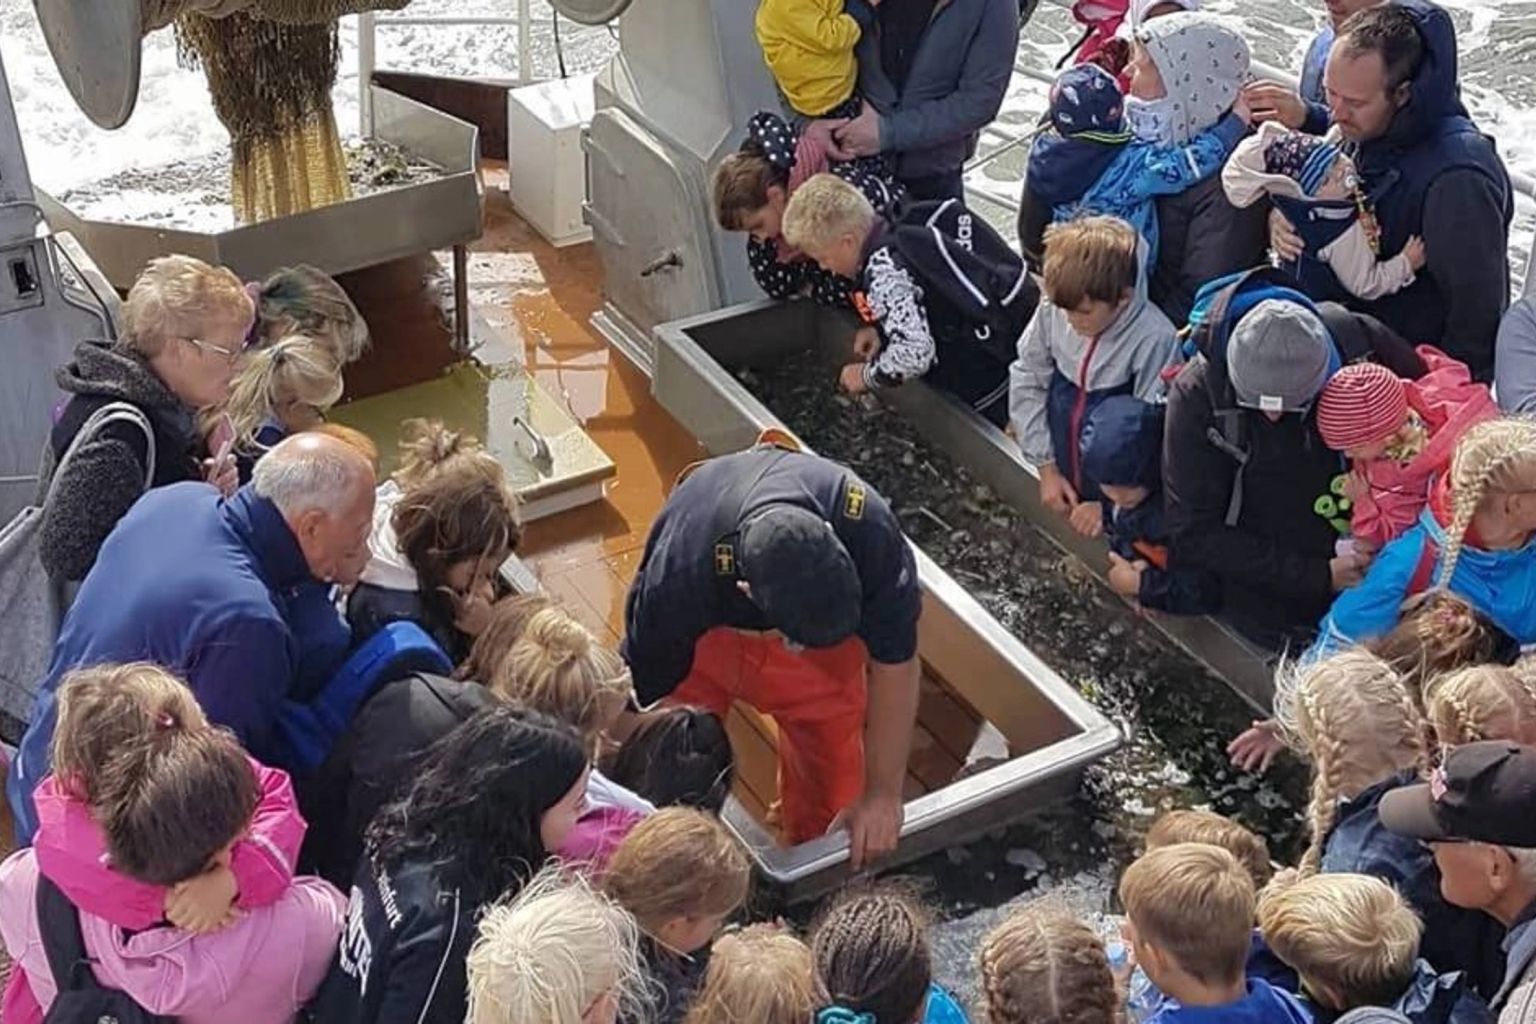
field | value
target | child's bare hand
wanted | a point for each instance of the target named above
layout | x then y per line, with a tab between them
203	904
1125	575
852	379
1414	250
1243	108
866	343
1088	519
1055	493
1254	749
472	611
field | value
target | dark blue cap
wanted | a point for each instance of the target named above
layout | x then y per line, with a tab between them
1122	443
801	575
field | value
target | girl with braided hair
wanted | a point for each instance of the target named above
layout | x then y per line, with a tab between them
1473	539
1043	966
1486	702
873	961
1352	717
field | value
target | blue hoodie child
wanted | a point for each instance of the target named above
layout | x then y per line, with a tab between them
1122	447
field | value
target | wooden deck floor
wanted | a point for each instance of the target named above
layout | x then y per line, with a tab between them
588	557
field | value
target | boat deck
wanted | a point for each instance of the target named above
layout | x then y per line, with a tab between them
588	556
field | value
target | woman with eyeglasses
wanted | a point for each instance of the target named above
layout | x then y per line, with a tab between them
185	326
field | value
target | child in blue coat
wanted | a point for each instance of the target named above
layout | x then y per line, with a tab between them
1122	448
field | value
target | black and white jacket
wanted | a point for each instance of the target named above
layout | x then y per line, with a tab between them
402	956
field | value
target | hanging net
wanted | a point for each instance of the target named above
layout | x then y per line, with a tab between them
270	66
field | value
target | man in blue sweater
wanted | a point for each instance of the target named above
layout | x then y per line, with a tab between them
933	74
212	589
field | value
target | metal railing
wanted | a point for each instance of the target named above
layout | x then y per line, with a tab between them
367	46
1524	184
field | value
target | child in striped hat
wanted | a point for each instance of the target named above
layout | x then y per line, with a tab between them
1399	434
1314	183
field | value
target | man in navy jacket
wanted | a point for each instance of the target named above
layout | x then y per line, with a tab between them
933	74
211	589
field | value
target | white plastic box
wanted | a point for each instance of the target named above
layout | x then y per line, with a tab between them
545	159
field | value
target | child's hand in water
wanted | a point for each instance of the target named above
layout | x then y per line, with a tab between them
1414	250
852	379
205	903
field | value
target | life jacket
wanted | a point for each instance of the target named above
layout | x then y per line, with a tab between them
956	255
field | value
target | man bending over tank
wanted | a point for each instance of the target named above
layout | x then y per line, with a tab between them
781	580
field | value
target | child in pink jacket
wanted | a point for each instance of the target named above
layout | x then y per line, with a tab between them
1399	434
103	713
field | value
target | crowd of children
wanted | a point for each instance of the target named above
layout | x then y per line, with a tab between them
497	834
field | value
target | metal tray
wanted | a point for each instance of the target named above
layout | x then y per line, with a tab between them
360	232
762	333
1053	731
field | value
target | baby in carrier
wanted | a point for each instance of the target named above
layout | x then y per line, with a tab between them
1313	182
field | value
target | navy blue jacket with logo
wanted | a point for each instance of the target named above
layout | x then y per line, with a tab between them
679	592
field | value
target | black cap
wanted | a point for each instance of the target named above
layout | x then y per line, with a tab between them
801	576
1484	792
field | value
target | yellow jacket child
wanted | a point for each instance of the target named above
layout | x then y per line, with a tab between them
808	45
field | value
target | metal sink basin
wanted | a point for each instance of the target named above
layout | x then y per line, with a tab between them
1052	734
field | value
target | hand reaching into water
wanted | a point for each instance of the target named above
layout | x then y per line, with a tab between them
1254	749
1055	493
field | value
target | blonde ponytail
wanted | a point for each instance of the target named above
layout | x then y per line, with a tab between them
1496	456
1354	719
429	448
297	370
559	668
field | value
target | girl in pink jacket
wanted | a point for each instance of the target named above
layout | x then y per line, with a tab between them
173	924
1399	435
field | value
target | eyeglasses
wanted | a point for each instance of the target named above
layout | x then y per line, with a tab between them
207	346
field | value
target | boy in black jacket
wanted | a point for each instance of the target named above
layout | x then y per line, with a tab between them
1122	444
940	293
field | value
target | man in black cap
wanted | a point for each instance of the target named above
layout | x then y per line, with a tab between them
779	579
1478	814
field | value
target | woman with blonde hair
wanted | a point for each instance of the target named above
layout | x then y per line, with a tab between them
560	953
282	389
443	524
1473	539
1352	718
762	974
185	327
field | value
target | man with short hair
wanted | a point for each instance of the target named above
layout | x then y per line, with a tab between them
1427	171
933	74
779	579
1475	814
210	588
1306	109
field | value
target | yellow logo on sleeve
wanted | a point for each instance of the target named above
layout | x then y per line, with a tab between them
725	560
853	502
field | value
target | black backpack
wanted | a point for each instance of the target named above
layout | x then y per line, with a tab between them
81	998
956	253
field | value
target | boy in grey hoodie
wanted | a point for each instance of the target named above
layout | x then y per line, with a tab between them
1094	336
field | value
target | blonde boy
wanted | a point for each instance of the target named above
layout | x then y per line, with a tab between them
1188	826
1354	942
1095	335
912	326
1189	913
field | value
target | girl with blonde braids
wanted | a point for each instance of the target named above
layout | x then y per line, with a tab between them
1487	702
1473	539
1043	966
281	390
1352	717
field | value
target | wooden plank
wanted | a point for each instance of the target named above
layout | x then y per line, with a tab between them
928	762
757	763
952	722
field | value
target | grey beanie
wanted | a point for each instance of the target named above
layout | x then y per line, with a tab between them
1372	1015
1278	357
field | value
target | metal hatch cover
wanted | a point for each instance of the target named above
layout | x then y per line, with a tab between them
583	12
95	44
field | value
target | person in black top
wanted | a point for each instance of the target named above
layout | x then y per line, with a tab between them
777	578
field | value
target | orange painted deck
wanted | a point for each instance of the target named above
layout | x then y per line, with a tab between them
588	557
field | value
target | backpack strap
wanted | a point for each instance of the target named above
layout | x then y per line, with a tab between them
59	926
112	412
1227	438
1424	568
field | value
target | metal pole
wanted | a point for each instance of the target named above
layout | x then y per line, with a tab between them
461	299
524	42
366	56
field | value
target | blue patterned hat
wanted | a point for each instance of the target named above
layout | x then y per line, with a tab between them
1086	104
1306	159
